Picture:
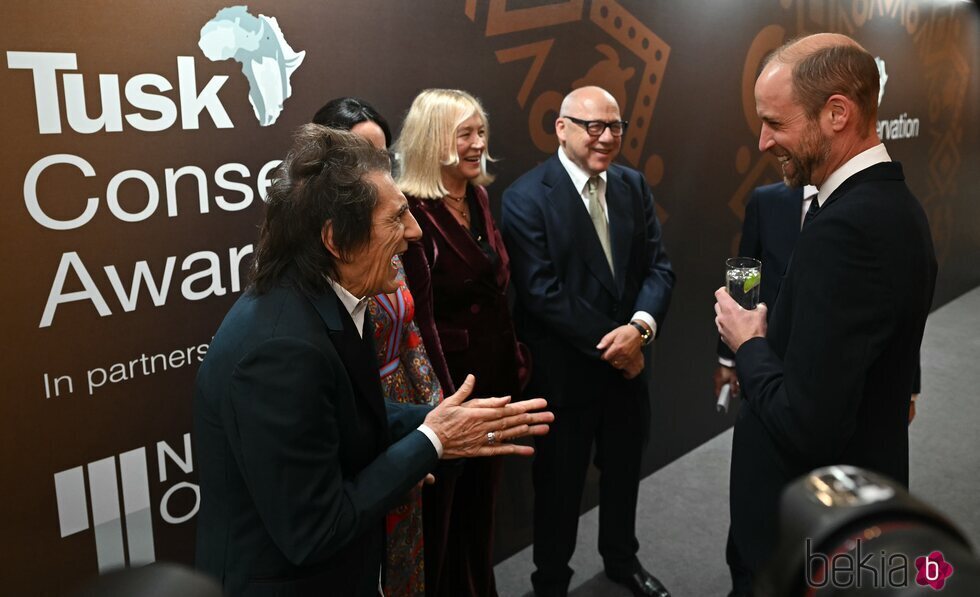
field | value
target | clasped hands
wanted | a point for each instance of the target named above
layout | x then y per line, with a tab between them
623	349
464	427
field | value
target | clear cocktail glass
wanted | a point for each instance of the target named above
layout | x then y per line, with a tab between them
743	277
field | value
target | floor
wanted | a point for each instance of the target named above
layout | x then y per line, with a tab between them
682	516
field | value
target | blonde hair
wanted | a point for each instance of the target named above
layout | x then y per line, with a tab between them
428	141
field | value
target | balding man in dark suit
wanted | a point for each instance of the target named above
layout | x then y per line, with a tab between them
829	381
593	285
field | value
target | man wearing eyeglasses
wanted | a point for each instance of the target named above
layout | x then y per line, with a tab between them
593	285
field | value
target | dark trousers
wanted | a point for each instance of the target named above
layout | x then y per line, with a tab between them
617	425
458	519
437	502
741	575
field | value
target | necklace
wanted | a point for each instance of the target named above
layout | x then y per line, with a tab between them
463	212
458	207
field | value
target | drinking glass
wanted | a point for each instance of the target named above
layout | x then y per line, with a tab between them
742	278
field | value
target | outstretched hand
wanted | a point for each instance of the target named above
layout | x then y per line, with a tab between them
465	428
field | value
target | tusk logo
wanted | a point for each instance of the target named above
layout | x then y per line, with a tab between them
123	530
267	60
893	129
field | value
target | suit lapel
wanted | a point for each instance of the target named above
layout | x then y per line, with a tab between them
567	202
502	274
457	239
620	225
879	171
358	355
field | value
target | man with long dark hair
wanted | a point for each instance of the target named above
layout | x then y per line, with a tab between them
299	455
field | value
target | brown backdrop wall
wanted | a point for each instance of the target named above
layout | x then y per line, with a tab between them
97	378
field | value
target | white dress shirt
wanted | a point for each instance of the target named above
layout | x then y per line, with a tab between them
357	308
862	161
580	180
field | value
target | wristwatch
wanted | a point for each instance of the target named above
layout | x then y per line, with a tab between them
645	336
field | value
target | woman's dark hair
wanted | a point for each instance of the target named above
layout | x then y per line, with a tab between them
323	179
346	112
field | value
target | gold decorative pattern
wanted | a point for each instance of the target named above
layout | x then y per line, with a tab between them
636	87
936	33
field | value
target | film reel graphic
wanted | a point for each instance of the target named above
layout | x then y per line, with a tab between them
653	51
627	33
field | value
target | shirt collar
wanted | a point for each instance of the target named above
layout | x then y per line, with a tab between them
862	161
579	176
350	302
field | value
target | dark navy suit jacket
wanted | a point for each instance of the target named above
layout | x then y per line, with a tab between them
294	447
567	298
829	384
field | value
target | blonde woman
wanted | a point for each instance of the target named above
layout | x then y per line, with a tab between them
443	156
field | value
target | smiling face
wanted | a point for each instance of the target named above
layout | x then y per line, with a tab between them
592	154
471	146
370	270
797	141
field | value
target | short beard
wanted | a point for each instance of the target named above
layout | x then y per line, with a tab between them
814	151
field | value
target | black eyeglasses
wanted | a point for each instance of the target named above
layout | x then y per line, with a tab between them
595	128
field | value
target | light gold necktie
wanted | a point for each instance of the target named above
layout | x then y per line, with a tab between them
599	219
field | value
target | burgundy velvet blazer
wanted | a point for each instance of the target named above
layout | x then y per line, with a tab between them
469	299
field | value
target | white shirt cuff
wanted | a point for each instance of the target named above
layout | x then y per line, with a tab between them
647	319
726	362
429	433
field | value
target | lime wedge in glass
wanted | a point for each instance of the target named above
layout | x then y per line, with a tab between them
751	282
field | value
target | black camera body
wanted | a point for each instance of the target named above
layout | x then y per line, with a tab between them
845	532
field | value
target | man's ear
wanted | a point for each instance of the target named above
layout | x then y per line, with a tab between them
560	129
839	112
326	235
